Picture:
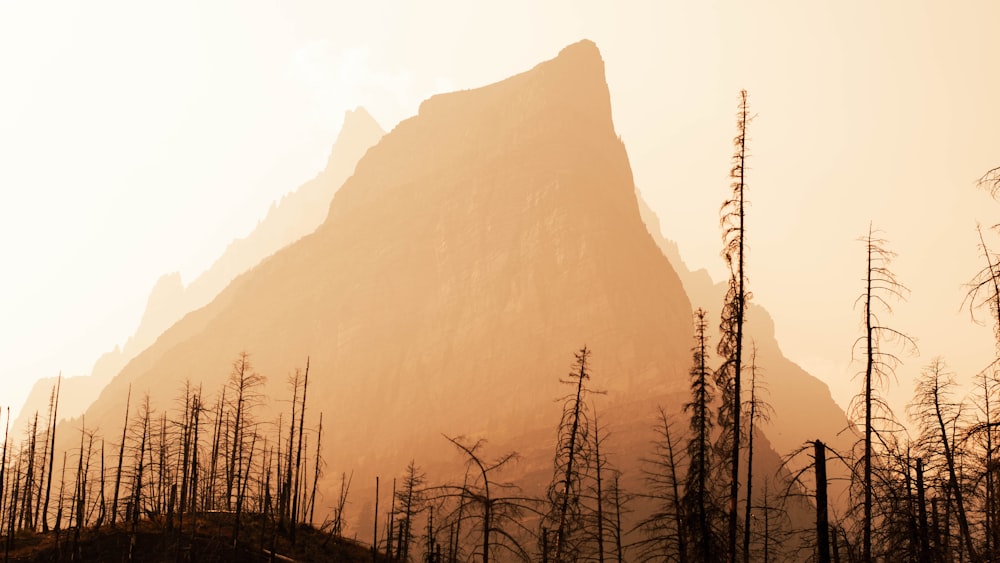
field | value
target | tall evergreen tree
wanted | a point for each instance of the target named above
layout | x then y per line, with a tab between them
409	501
699	506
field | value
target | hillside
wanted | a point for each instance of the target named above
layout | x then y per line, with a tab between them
297	214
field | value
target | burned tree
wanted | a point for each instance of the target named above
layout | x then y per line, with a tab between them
880	287
572	463
730	348
493	507
698	502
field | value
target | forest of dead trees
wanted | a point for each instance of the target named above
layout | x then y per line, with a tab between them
210	467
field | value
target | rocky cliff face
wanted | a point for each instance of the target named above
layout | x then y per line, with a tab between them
296	215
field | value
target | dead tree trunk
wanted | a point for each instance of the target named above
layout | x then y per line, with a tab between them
822	518
121	457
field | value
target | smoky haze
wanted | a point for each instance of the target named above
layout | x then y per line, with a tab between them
127	154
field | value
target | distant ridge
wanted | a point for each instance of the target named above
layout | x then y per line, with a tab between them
296	215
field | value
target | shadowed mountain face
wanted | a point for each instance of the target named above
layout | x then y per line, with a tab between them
476	247
296	215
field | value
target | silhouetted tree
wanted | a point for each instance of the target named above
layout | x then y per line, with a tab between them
758	411
880	286
244	388
410	502
143	423
25	514
698	503
494	511
316	469
3	466
665	529
298	452
936	412
598	520
121	458
572	463
730	347
53	418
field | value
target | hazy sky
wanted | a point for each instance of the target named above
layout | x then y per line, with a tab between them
138	139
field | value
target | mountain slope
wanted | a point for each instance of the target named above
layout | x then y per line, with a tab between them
296	215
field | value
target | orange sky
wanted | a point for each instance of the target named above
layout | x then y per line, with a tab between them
138	140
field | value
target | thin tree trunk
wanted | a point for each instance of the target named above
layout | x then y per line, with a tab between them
285	500
734	485
312	496
298	455
375	520
52	455
137	493
210	499
600	496
103	501
924	555
3	466
121	457
194	452
866	543
618	521
749	496
78	498
29	479
561	530
822	518
949	455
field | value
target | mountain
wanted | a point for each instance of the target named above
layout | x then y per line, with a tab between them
477	246
296	215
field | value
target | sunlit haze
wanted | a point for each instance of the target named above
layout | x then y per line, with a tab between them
140	139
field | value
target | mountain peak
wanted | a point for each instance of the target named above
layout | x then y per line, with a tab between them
358	121
570	86
357	134
584	55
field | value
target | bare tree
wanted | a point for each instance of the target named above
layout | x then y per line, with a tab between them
53	418
758	411
730	347
492	506
121	458
572	463
665	533
990	181
936	412
881	286
244	385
